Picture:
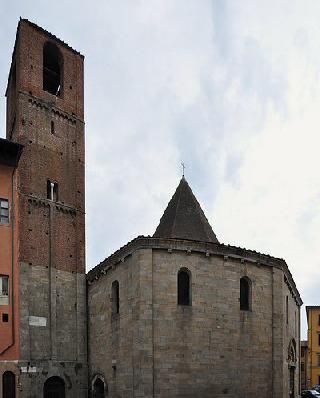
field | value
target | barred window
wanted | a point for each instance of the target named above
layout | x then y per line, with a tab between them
4	211
4	285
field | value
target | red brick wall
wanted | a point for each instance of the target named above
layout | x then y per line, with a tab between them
57	157
29	57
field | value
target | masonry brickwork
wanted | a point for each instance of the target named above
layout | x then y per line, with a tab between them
51	256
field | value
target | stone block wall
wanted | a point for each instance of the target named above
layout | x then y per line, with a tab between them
212	348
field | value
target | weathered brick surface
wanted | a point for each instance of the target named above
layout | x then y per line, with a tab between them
51	256
208	349
28	58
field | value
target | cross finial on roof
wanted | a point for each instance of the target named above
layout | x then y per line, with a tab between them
183	168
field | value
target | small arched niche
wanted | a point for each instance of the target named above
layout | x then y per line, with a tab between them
99	387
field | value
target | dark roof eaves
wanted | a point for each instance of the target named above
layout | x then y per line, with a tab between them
310	307
14	158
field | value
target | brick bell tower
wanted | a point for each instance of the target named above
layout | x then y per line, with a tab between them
45	114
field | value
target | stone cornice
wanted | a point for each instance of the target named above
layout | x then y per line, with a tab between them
189	246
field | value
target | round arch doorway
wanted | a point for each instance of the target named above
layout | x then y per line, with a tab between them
54	388
9	385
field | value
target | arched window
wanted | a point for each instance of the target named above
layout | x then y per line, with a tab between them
100	390
9	385
52	69
115	297
184	287
54	388
245	294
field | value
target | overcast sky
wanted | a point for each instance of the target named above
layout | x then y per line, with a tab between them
232	88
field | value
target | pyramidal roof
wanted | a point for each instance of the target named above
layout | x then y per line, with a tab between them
184	218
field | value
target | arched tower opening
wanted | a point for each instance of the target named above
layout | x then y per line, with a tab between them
52	69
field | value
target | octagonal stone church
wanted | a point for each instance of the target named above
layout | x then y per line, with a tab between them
181	315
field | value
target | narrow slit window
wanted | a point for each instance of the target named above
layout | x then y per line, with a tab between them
184	287
52	127
4	211
115	297
245	294
52	191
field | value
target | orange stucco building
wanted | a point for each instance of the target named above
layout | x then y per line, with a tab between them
9	331
313	317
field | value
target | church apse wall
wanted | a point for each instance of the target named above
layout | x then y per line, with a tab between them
211	347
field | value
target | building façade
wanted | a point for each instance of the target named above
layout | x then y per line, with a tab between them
43	348
174	315
181	315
